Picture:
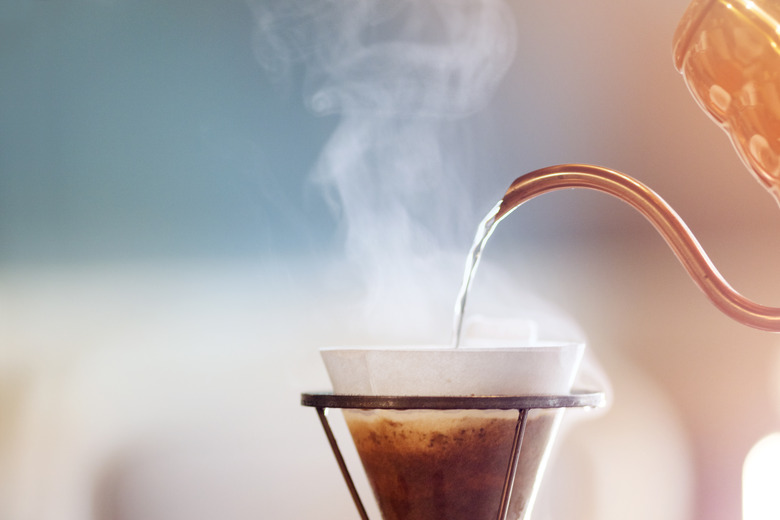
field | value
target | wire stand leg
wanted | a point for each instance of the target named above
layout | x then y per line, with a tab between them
517	442
342	465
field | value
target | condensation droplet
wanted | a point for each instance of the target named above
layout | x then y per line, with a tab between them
720	98
764	155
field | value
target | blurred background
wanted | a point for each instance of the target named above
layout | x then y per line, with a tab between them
195	196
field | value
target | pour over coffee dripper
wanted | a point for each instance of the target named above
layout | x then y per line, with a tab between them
461	434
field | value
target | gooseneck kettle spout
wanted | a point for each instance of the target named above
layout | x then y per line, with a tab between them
665	220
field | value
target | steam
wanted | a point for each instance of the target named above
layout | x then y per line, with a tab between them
414	58
404	76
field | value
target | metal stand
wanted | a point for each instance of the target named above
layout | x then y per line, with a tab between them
523	404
